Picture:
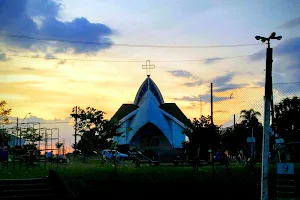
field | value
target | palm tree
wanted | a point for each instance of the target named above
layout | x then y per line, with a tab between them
58	146
249	118
251	123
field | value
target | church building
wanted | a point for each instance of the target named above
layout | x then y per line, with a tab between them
150	123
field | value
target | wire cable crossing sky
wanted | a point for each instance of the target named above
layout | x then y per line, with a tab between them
122	61
126	45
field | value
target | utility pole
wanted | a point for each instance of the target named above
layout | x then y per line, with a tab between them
212	125
17	130
234	122
63	146
267	116
75	144
20	135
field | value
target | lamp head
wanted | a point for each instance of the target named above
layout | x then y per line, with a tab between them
272	36
263	39
257	37
279	37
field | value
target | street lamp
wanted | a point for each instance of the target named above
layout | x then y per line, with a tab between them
25	117
21	128
264	39
267	115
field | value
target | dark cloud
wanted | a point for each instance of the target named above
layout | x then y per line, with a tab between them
291	23
181	73
27	68
61	62
49	56
204	98
3	57
258	56
290	47
223	83
212	60
284	88
194	83
220	83
45	8
286	64
39	19
287	61
259	83
229	86
14	19
224	79
291	88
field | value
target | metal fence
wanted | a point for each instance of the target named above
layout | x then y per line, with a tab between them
229	102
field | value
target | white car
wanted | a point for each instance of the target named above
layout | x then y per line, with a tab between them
107	153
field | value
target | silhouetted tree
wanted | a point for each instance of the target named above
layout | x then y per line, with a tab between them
229	140
4	113
251	124
202	136
287	114
287	124
95	131
30	134
249	118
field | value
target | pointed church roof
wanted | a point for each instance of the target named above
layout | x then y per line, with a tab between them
173	110
148	84
124	110
147	90
149	111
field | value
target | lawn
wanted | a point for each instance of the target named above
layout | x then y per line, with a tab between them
90	179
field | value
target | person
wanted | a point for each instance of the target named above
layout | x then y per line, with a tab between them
224	159
218	155
49	155
4	155
62	158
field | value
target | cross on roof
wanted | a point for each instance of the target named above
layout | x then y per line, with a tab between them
148	66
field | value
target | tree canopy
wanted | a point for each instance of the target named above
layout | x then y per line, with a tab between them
287	114
95	131
4	120
202	135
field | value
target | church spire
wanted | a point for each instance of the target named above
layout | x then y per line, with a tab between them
148	86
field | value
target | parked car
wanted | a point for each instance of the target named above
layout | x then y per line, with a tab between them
107	153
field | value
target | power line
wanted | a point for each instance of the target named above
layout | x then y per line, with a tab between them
125	61
124	45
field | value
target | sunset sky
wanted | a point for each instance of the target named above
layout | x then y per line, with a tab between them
48	78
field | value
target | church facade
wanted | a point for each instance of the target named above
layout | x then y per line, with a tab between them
150	123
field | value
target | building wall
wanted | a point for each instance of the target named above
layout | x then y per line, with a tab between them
124	129
178	137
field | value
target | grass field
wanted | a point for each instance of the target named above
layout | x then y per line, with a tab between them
90	179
